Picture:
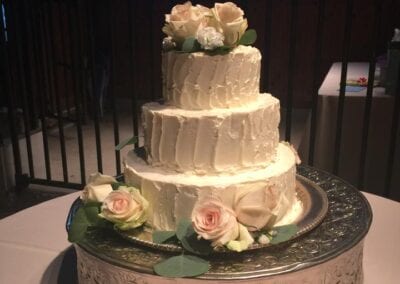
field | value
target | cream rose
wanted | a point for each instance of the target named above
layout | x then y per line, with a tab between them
229	21
98	187
255	209
125	207
185	20
213	221
243	242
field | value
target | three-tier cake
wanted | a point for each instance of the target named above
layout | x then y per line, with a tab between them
215	178
214	137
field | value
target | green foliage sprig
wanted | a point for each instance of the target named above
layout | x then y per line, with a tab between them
183	265
192	45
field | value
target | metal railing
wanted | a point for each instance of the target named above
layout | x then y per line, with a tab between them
52	45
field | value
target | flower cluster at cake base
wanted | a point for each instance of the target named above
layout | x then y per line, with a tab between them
214	30
109	204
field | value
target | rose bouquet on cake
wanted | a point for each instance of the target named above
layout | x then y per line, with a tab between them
214	30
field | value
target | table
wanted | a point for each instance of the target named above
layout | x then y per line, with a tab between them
34	246
353	116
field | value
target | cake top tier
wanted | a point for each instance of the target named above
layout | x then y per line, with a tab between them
206	63
219	29
198	81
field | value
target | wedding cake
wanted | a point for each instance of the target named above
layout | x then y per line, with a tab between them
215	137
213	177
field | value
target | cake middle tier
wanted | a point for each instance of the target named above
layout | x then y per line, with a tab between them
212	141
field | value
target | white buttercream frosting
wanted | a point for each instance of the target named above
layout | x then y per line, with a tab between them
211	141
201	81
217	137
172	195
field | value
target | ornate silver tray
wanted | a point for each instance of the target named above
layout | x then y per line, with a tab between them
314	204
337	239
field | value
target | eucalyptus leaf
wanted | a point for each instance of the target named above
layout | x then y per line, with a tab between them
128	141
79	225
189	239
160	237
191	45
116	185
104	224
222	50
182	266
182	228
284	233
195	245
92	211
248	38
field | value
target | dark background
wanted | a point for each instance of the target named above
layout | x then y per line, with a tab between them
111	27
149	18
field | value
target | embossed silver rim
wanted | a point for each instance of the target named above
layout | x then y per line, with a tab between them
315	206
347	222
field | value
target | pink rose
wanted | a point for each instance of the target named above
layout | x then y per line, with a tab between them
213	221
256	208
125	207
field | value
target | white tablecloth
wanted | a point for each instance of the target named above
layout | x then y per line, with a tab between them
353	118
34	246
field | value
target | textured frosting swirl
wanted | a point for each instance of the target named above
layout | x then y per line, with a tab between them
172	195
199	81
212	141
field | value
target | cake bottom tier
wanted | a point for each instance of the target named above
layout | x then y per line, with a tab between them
172	195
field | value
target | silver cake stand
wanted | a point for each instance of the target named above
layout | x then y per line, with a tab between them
330	253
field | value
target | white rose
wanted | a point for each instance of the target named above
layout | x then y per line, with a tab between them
185	20
263	239
229	20
255	209
98	187
125	207
96	193
213	221
243	242
209	38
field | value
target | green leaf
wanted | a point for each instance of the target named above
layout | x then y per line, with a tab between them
182	228
160	237
104	224
222	50
189	239
116	185
182	266
284	233
195	245
190	45
248	38
92	211
128	141
79	225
